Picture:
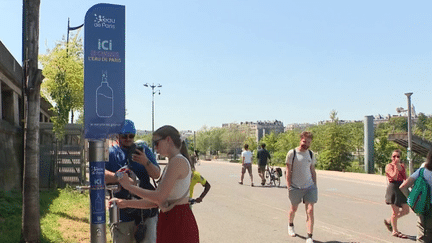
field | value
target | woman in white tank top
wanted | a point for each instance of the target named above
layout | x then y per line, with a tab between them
176	221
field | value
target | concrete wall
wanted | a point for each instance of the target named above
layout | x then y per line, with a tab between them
10	156
12	121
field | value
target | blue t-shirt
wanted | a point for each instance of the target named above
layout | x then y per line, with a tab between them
119	157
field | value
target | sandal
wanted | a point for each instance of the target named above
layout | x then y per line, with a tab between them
388	225
399	235
241	183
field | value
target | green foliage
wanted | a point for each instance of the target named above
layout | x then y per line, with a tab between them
423	127
251	142
146	138
235	136
336	154
382	147
11	213
63	85
285	142
10	216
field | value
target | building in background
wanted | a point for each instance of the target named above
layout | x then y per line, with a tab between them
12	120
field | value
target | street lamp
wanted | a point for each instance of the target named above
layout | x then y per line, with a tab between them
153	86
409	155
69	29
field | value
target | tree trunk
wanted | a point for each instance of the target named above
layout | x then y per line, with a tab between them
30	211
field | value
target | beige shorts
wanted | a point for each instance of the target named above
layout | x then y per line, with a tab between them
247	167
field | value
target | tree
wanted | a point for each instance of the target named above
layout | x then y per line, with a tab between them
356	138
63	68
235	136
203	140
382	147
33	78
336	155
285	142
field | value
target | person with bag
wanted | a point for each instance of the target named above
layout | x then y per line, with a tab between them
263	155
424	224
135	225
176	221
396	175
301	181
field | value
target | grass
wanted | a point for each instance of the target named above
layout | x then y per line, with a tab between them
64	216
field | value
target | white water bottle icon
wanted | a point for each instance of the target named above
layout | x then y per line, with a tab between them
98	204
104	98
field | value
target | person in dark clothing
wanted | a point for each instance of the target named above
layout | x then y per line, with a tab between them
144	166
263	155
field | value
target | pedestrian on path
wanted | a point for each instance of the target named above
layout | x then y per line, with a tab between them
263	155
246	156
396	175
197	178
424	224
302	183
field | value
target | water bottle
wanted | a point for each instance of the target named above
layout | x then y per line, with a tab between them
114	213
104	98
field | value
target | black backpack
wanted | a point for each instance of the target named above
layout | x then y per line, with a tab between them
310	153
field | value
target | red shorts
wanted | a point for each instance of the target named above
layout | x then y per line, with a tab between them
177	225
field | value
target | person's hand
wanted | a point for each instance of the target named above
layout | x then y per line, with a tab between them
140	157
125	181
198	200
121	203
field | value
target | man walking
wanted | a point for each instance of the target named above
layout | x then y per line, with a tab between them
262	156
302	183
135	225
246	156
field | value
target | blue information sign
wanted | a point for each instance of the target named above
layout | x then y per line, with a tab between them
104	70
97	192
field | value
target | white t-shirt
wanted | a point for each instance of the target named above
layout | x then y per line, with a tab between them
301	176
247	156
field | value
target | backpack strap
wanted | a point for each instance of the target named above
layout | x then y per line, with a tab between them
294	155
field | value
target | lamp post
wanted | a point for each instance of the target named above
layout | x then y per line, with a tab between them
69	29
153	86
67	52
411	168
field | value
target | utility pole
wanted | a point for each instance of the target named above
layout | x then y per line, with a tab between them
32	79
409	150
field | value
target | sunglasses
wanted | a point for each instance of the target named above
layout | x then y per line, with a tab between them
396	156
125	136
156	142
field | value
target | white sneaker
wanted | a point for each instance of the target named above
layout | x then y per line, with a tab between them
291	231
309	240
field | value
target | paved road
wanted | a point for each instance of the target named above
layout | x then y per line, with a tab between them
350	208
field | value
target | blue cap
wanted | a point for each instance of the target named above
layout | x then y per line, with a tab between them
128	127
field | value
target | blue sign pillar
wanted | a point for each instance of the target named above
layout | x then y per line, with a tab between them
104	98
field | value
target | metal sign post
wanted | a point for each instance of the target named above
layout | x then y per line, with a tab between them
97	192
104	98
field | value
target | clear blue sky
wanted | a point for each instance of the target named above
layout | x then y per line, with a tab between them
231	61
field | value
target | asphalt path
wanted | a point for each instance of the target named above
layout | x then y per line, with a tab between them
350	208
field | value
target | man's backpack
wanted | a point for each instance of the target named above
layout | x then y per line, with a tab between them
294	155
419	198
